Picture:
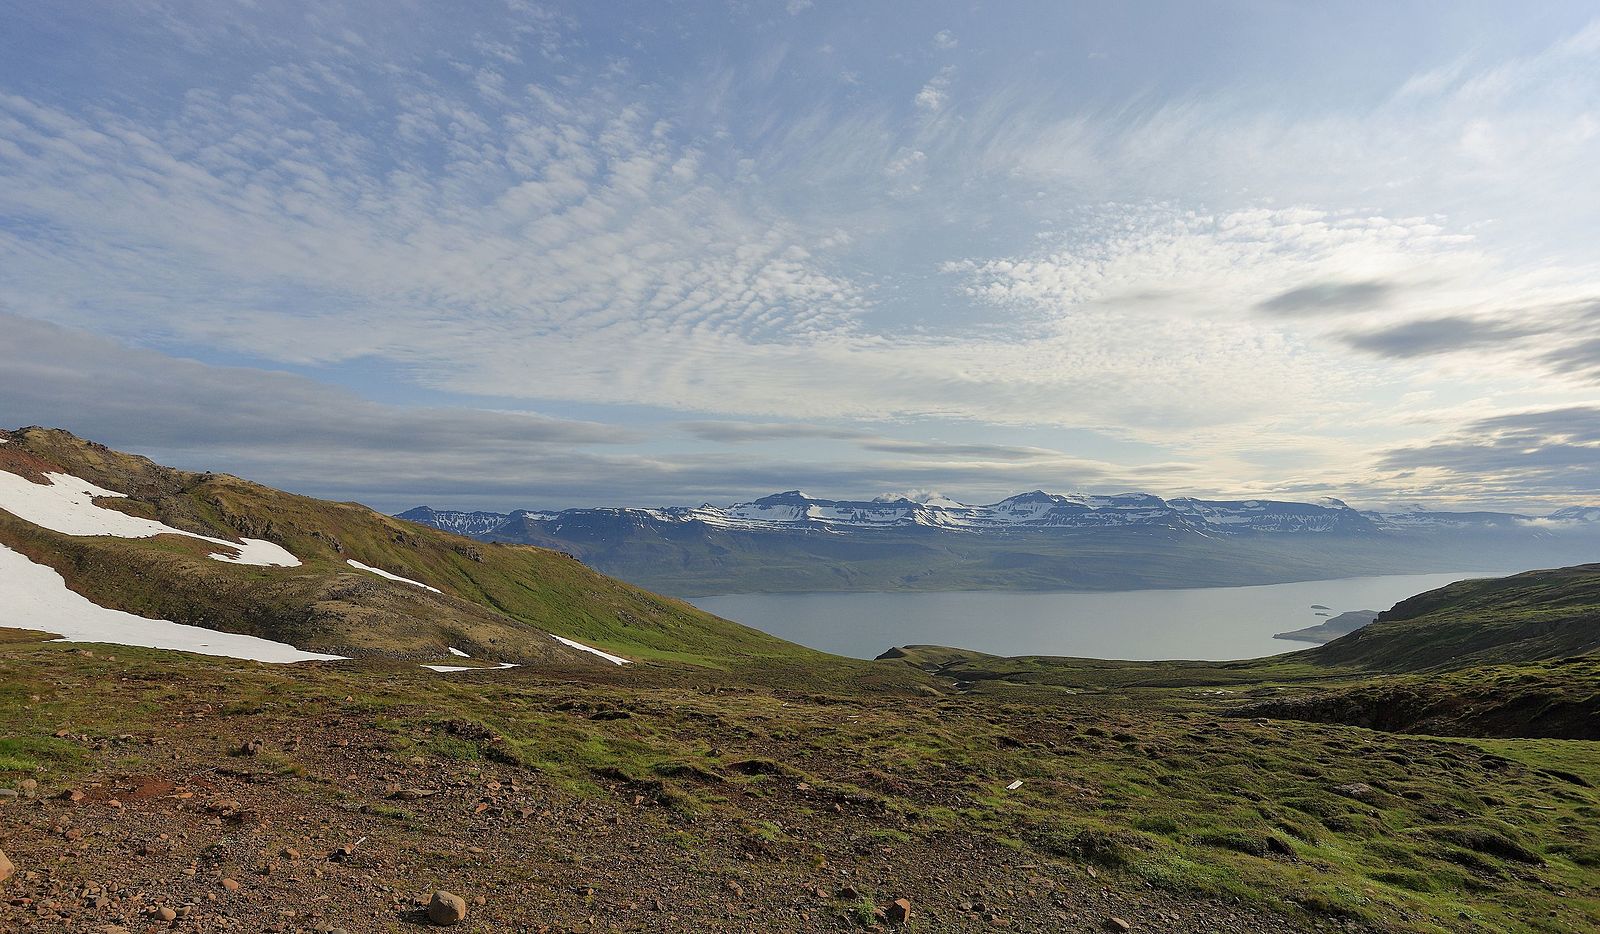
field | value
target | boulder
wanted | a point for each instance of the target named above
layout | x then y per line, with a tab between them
898	911
6	869
446	908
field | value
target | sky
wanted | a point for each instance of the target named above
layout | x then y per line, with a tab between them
536	255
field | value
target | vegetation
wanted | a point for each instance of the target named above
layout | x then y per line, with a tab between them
1525	617
494	596
1259	784
1158	786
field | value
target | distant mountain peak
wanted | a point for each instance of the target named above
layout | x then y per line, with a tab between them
785	498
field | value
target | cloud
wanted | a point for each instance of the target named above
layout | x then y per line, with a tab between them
498	206
276	427
1323	297
1551	455
944	40
58	376
1434	336
736	432
935	93
307	436
971	451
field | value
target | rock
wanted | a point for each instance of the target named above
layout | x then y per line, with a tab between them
29	787
445	909
230	884
249	747
6	869
8	793
72	794
166	914
290	852
1117	924
899	911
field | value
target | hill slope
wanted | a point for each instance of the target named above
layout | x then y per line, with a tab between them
361	583
1526	617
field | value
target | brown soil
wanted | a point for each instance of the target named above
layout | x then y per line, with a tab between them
526	854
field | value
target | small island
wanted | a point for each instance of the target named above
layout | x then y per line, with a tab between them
1341	625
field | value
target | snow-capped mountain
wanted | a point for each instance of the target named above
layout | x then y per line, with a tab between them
470	524
1038	510
1032	541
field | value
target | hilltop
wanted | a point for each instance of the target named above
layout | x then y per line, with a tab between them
160	543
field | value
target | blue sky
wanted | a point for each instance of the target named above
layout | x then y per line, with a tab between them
519	254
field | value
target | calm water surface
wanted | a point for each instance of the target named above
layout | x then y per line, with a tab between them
1208	623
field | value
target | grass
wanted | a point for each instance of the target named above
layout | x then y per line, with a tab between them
505	596
1152	773
1150	786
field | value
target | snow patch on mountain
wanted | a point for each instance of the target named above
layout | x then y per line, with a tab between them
66	505
33	596
394	577
613	659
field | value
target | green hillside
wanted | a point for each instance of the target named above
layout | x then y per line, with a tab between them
493	600
1525	617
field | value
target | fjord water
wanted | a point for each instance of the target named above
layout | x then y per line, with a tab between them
1212	623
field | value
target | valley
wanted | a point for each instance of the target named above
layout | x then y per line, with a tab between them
646	766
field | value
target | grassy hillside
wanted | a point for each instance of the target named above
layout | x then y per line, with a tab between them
493	596
1558	698
1526	617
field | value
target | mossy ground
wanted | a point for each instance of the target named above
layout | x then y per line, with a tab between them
1148	786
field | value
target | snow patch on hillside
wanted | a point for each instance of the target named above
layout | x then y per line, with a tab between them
446	669
33	596
613	659
66	505
394	577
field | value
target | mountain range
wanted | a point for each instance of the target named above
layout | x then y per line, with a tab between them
1035	540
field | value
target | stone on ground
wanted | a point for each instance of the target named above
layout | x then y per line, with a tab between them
446	908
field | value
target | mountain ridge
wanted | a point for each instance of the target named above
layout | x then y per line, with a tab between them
791	542
1036	509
